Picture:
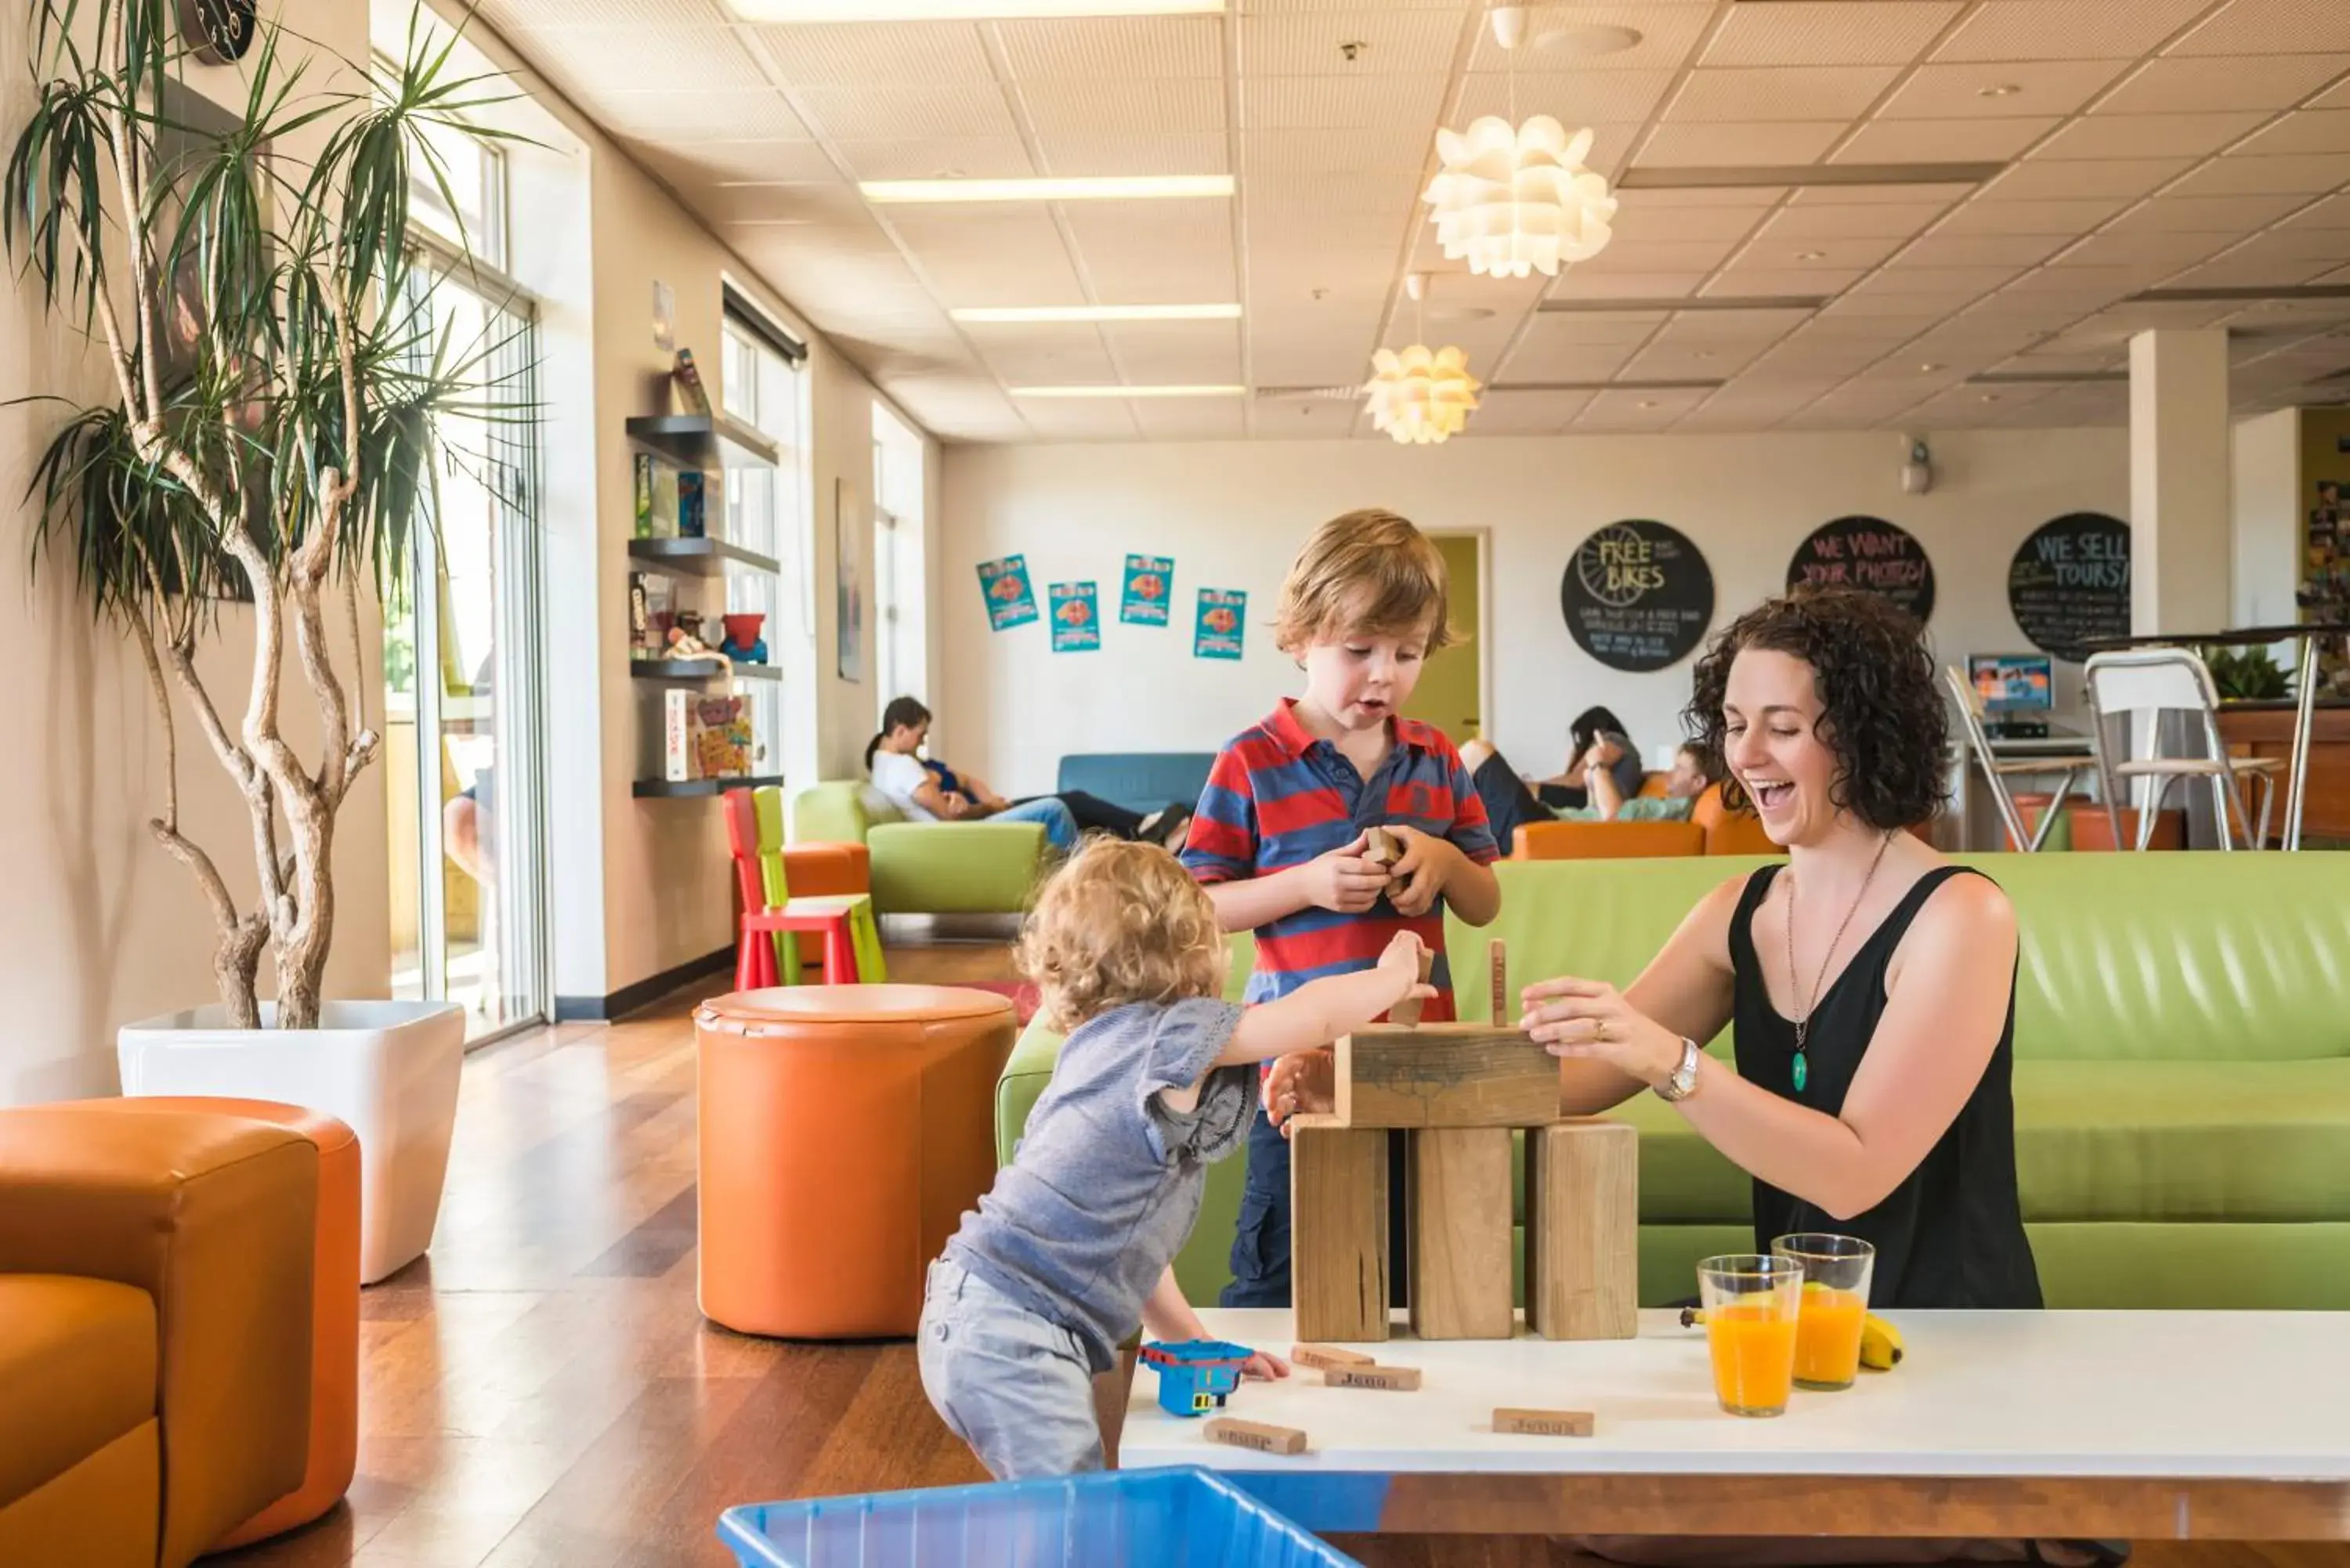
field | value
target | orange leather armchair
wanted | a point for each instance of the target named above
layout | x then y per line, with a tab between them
155	1307
1605	840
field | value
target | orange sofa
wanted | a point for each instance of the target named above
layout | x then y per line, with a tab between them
1712	828
155	1310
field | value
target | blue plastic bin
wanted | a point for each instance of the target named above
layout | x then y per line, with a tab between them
1175	1518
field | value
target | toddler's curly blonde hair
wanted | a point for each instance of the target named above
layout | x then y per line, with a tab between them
1120	923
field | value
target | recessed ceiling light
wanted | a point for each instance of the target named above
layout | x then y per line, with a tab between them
1006	314
1584	43
1930	366
1122	391
1811	255
961	10
1991	396
1135	187
1461	312
1648	402
2001	89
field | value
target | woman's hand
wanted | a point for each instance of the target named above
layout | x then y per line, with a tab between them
1590	1019
1421	873
1303	1084
1343	880
1264	1367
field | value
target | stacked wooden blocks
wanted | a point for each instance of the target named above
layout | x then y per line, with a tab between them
1463	1092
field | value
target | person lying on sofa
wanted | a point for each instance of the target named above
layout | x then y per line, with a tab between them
1509	801
927	791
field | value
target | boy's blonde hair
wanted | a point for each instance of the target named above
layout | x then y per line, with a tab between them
1120	923
1368	572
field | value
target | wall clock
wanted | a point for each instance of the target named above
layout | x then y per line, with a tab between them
217	32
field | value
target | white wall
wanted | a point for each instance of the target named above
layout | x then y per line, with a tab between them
2266	477
1233	513
103	927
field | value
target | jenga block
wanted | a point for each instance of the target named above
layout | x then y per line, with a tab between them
1458	1209
1257	1435
1405	1014
1442	1076
1395	1379
1543	1423
1583	1223
1497	961
1338	1232
1383	848
1322	1357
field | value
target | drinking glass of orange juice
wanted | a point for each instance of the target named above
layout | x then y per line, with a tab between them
1836	1301
1751	1307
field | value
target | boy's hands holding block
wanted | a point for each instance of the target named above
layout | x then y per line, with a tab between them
1425	865
1346	879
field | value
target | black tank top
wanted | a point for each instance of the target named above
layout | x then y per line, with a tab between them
1951	1235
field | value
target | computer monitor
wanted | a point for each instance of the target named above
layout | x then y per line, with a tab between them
2013	683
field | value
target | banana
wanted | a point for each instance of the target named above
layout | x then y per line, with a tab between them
1881	1347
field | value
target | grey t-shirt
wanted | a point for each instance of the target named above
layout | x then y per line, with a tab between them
1106	1184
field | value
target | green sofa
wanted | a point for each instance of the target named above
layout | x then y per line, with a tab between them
2182	1078
925	867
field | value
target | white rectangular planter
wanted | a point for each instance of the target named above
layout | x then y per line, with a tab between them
388	1070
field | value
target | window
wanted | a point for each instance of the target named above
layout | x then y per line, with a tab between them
900	589
767	510
476	176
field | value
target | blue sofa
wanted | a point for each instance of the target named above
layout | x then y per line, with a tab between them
1138	781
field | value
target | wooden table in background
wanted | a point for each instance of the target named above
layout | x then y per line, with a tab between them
2265	730
2225	1425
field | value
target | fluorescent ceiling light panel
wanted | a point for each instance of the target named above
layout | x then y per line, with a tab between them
1117	392
1007	313
1768	176
963	10
1115	188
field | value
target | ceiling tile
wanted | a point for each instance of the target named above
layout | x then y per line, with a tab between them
885	113
1941	250
1890	220
592	60
2151	135
2174	213
2269	27
711	162
1574	99
1401	149
2176	86
1941	141
669	115
878	53
2306	174
1876	195
1627	255
2334	212
1574	283
1080	419
1323	355
975	157
1973	91
1636	218
1541	359
2253	272
1059	355
1715	327
2067	29
1312	42
1334	102
2146	246
1076	108
1716	146
1826	33
1099	48
2066	218
2064	179
1779	92
1821	259
1192	419
1177	353
2310	131
1959	281
1085	154
1140	253
1667	32
990	255
1506	413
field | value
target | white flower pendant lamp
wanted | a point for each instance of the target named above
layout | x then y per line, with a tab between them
1419	396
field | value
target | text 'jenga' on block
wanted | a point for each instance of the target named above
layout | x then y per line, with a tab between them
1396	1379
1543	1423
1322	1357
1255	1435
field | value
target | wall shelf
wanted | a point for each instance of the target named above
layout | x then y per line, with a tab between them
694	439
699	557
685	670
662	789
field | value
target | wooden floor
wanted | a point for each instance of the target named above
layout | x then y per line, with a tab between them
540	1392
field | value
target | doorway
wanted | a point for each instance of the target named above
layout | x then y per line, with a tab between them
1452	690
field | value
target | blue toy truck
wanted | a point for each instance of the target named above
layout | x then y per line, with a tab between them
1195	1376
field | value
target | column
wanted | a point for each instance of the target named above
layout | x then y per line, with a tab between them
2179	487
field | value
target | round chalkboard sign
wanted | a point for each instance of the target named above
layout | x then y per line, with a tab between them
1866	552
219	32
2070	583
1637	595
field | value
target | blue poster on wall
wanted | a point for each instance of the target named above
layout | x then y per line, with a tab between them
1076	618
1224	623
1149	587
1011	597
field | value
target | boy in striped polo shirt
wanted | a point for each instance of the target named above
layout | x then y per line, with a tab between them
1281	828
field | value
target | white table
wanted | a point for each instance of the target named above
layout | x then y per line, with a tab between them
2136	1424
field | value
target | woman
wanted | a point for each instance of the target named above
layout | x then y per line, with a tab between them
1596	738
1509	805
930	791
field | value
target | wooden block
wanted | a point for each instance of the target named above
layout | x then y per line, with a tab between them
1583	1225
1442	1076
1255	1435
1383	848
1322	1357
1543	1423
1457	1208
1405	1014
1497	961
1397	1379
1338	1232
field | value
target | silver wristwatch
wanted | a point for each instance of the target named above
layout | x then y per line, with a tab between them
1684	1077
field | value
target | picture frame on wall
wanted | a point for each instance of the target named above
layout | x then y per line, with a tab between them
849	595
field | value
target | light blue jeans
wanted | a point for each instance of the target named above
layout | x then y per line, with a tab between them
1060	827
1014	1386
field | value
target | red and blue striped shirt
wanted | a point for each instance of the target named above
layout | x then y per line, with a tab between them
1278	797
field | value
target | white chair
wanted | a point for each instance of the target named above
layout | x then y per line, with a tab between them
2153	681
1999	770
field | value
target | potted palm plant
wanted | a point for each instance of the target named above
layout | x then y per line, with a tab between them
266	447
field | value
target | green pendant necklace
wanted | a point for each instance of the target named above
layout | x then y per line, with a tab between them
1803	1019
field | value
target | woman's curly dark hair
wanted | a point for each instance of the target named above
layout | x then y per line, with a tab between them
1882	711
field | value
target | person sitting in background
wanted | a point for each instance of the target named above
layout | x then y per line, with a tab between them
1598	736
930	791
1509	803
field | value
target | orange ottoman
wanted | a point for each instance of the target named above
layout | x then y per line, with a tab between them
814	870
844	1131
335	1311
